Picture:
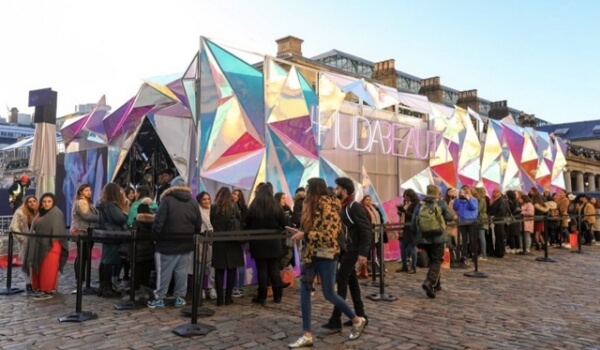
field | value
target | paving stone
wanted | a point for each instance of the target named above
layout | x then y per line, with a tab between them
523	304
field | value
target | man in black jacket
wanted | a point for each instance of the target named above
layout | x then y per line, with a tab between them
178	215
358	243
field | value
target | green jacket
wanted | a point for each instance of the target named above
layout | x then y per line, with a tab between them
133	211
446	214
483	215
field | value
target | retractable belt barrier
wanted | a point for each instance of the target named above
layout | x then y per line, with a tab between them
113	237
205	238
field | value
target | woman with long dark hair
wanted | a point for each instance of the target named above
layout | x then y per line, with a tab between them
46	256
237	196
321	224
83	216
228	255
113	210
204	201
408	241
265	214
21	222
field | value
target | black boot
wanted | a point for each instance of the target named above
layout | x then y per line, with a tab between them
229	295
428	287
107	290
277	294
100	279
261	298
220	296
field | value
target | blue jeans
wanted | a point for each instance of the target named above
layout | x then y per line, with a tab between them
482	243
409	250
525	240
327	270
167	266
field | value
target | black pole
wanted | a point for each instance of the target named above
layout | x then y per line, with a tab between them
78	315
194	328
473	236
195	288
88	290
373	282
9	290
545	258
202	311
381	296
130	304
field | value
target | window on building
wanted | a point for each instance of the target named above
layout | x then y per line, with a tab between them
596	129
561	131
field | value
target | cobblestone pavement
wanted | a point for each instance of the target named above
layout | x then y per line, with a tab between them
523	305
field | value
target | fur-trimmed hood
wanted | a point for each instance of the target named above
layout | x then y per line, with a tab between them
182	193
145	217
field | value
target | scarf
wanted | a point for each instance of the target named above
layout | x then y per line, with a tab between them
348	200
205	214
373	215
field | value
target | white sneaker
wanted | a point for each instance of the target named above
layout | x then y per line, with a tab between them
357	328
213	293
568	246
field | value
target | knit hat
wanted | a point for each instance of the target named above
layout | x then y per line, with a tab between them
178	181
433	191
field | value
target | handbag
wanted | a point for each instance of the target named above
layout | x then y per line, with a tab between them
234	223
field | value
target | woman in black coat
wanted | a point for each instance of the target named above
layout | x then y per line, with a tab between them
266	214
227	256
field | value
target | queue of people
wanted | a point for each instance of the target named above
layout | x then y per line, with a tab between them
336	235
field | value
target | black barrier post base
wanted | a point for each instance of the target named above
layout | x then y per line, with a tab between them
79	317
126	305
202	312
11	291
193	329
382	297
476	274
545	259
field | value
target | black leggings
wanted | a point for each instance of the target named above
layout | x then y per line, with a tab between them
219	280
268	270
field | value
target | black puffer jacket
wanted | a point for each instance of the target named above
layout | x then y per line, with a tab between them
360	230
143	224
178	215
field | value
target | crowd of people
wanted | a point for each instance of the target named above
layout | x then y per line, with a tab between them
335	234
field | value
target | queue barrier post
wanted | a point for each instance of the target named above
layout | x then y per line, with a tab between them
79	315
476	273
88	289
10	290
130	304
194	328
201	311
373	281
381	296
545	258
579	236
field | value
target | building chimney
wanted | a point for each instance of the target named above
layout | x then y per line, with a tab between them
385	72
498	110
432	88
290	45
14	116
468	99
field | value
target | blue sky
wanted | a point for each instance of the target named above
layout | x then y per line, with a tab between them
541	56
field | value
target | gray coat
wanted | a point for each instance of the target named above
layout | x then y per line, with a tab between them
52	223
84	215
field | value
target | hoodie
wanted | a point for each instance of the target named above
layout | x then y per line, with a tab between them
178	216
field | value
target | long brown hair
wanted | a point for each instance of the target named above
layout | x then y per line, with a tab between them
112	192
30	214
315	190
80	189
223	200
